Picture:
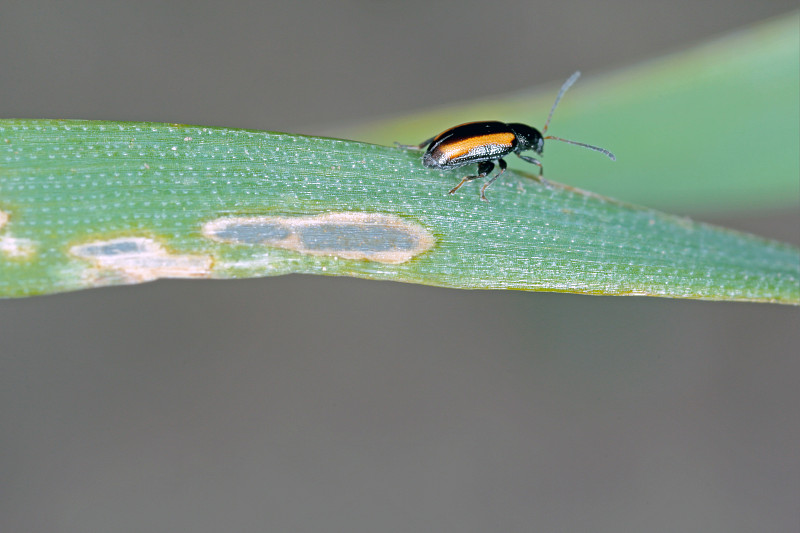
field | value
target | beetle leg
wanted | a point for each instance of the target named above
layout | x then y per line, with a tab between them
483	170
423	144
538	163
503	165
535	161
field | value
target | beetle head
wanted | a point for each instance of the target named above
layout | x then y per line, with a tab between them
528	138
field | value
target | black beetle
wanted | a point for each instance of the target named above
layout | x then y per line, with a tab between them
486	142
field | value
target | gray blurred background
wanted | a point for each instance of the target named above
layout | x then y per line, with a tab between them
305	403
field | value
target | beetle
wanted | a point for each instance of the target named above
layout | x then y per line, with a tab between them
485	143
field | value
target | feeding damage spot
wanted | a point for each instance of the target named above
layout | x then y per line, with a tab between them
370	236
142	259
13	247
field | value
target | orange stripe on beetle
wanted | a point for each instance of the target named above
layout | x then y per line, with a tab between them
478	145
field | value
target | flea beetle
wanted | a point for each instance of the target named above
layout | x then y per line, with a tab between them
486	142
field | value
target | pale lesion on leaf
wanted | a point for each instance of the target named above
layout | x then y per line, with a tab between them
378	237
136	259
11	247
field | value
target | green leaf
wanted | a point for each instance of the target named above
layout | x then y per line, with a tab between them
85	204
711	130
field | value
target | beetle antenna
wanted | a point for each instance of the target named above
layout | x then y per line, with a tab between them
589	146
567	84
